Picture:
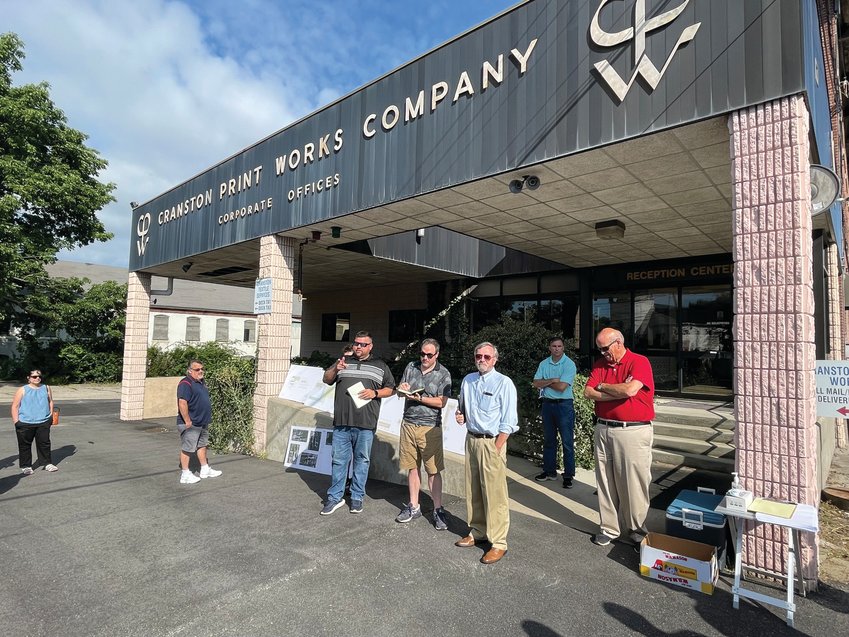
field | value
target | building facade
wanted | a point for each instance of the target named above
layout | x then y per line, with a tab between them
630	163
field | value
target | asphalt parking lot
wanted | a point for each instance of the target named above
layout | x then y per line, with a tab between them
112	544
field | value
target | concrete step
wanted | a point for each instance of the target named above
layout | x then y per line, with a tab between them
692	460
694	446
719	418
709	434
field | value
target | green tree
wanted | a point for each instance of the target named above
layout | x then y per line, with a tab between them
49	191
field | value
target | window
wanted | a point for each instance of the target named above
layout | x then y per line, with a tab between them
250	332
160	327
222	330
406	325
336	327
192	329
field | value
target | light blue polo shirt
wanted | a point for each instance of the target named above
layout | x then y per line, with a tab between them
564	370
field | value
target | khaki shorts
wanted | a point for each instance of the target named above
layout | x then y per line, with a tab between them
421	445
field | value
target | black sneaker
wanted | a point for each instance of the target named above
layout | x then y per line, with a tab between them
356	506
600	539
567	482
545	476
331	506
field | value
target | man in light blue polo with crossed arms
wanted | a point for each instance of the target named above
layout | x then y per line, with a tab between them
554	378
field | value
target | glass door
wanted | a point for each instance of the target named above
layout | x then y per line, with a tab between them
707	344
656	334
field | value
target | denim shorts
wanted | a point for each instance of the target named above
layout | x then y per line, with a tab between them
193	438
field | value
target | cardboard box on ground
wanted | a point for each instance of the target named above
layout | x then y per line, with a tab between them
680	562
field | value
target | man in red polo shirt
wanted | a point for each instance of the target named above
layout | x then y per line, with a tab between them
622	385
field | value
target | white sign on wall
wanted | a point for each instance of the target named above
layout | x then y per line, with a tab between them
833	389
262	296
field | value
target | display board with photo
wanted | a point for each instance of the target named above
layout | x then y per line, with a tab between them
310	449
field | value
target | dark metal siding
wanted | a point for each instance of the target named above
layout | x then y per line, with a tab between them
746	52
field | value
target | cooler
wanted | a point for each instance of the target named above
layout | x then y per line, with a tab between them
691	516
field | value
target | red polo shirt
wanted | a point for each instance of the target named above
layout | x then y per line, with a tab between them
631	367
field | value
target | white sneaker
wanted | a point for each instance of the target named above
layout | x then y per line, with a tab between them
208	472
27	471
187	477
51	467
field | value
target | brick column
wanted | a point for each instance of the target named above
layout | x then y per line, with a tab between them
135	346
274	334
774	352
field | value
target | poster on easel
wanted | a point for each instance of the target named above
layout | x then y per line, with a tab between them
310	449
453	435
300	382
391	413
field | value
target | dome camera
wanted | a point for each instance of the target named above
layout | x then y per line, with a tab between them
516	186
532	182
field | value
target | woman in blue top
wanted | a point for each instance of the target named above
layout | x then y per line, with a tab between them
32	413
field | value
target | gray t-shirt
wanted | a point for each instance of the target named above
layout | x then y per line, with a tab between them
373	373
436	382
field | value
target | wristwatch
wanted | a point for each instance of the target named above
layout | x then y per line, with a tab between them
599	386
375	392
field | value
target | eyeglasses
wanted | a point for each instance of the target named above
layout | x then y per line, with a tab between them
426	355
483	357
358	344
604	349
197	369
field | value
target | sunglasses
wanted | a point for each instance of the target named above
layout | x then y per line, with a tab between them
358	344
604	349
426	355
36	376
483	357
197	369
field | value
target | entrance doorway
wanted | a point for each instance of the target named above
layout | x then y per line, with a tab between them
685	332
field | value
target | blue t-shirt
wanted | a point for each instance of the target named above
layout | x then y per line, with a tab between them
563	370
196	395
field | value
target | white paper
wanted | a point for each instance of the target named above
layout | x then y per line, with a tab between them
391	413
301	381
355	389
453	435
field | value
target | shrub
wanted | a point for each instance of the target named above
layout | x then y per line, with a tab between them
316	359
230	379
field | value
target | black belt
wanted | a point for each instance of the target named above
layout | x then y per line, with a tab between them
623	423
557	400
474	435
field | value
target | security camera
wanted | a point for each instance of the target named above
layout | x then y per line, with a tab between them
516	186
532	182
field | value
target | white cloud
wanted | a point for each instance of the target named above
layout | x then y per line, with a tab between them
165	89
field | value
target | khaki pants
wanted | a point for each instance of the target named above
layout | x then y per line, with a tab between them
623	474
486	491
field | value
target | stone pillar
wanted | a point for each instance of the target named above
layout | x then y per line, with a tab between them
274	333
774	351
834	290
135	346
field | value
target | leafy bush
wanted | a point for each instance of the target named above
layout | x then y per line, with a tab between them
83	365
230	379
316	359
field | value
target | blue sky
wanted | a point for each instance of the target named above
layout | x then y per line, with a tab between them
165	88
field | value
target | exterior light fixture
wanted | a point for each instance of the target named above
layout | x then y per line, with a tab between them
612	229
336	231
134	204
420	235
825	186
531	182
187	266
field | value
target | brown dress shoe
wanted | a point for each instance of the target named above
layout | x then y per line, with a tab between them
468	541
493	555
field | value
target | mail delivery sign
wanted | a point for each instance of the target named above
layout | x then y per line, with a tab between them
833	389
